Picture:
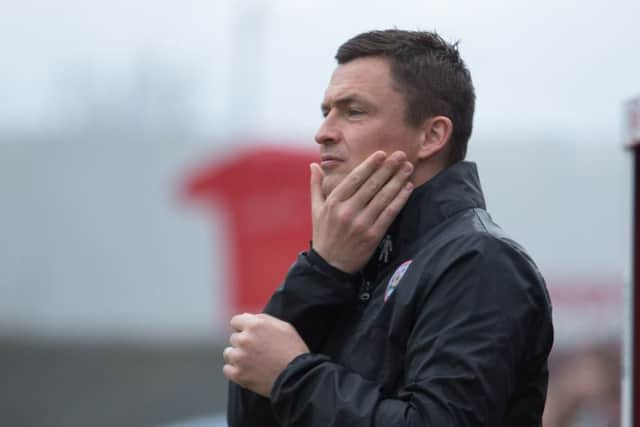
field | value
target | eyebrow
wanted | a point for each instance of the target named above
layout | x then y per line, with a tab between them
344	100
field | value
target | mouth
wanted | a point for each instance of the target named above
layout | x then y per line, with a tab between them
328	161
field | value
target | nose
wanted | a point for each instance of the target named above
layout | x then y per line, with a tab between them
328	133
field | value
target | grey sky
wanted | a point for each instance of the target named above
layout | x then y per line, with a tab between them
544	68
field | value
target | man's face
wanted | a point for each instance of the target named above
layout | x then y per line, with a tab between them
363	113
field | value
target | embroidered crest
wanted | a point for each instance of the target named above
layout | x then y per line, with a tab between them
395	279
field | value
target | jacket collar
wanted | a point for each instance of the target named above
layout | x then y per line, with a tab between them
454	189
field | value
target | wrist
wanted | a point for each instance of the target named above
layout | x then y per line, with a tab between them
318	261
326	255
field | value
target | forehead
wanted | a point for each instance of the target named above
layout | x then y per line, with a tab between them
367	77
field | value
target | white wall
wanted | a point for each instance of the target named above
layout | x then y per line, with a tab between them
95	242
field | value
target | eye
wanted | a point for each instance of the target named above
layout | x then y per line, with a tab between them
353	112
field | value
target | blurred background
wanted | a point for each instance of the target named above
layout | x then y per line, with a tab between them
136	216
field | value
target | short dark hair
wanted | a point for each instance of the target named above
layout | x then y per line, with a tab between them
430	73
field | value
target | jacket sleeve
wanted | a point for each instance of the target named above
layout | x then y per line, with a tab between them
311	299
462	355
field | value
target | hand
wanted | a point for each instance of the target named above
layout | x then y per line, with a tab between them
349	224
261	348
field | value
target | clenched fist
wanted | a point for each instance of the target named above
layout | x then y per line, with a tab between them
261	348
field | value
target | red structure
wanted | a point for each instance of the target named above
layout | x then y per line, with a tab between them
263	196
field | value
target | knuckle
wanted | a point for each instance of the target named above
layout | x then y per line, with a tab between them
284	327
370	235
262	320
360	227
238	358
391	212
331	202
256	321
242	340
354	179
392	208
345	215
375	184
289	327
385	199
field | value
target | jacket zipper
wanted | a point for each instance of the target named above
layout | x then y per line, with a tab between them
365	291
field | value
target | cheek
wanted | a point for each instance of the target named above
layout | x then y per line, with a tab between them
392	139
366	140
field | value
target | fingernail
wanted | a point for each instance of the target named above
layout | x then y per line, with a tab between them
408	167
408	186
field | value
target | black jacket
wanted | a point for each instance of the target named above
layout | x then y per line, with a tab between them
460	339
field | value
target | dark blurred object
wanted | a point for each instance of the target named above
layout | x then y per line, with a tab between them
117	384
584	390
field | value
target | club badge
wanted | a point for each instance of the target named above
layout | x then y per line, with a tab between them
395	279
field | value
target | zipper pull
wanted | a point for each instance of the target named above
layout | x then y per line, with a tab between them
365	294
386	247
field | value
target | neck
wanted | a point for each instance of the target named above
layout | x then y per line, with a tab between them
424	171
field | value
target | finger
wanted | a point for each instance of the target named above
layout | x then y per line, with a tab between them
240	321
235	340
392	210
270	321
231	372
227	355
379	179
387	194
358	175
265	316
317	198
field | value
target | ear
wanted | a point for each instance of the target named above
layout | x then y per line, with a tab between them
435	137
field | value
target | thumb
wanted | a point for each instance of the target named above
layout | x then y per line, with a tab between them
317	198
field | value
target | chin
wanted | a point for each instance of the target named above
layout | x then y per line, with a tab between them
330	182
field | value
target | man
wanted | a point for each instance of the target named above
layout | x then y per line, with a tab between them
412	308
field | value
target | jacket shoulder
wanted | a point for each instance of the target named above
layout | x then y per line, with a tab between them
475	231
473	247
